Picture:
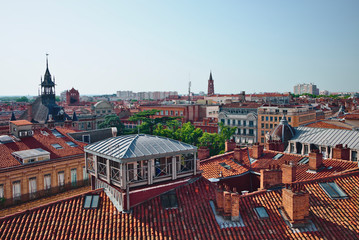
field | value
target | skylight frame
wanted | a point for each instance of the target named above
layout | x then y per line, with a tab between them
261	212
303	161
333	190
57	146
169	200
91	201
278	156
225	165
57	133
72	144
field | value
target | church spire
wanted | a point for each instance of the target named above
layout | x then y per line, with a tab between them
210	85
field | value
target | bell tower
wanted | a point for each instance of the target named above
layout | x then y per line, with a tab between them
210	85
48	87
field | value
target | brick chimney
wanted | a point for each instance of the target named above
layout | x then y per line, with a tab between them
270	177
235	207
296	205
257	150
315	159
219	200
227	205
203	153
239	153
230	145
288	172
340	152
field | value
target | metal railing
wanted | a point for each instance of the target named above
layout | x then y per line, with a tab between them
137	174
116	175
162	170
185	165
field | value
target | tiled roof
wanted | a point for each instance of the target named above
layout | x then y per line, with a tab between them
21	122
42	138
193	219
212	169
322	124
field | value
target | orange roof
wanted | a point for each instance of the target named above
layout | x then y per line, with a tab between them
41	139
212	169
21	122
193	219
321	124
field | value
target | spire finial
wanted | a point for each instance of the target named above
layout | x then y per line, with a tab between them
47	60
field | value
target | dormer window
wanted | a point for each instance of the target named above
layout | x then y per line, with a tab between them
333	190
169	200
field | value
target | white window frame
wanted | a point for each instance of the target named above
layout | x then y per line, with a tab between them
47	181
61	178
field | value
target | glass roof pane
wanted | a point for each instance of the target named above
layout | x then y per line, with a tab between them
329	190
56	133
95	201
71	144
87	202
261	212
57	146
277	156
340	192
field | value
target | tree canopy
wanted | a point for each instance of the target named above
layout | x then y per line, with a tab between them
113	121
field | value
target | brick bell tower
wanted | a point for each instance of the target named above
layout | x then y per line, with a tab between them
210	85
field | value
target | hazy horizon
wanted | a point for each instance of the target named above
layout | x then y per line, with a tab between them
252	46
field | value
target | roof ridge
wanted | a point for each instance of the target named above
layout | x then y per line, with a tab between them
346	173
129	145
49	204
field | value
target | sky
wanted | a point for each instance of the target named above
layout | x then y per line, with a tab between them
100	47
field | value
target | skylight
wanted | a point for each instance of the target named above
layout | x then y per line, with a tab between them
57	146
91	201
261	212
333	190
225	165
56	133
303	161
277	156
169	200
71	144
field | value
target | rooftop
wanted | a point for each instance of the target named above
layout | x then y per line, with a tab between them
139	147
193	218
21	122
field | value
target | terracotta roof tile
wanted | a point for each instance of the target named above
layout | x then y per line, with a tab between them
21	122
193	219
322	124
42	138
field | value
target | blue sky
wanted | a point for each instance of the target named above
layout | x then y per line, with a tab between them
101	47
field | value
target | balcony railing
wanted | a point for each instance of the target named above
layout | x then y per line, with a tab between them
185	165
9	202
101	169
163	170
137	174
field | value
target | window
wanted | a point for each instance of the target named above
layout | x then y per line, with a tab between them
91	201
73	177
244	122
251	123
333	190
86	138
47	181
303	161
61	178
266	125
181	113
225	165
1	191
262	140
277	156
172	113
85	175
251	132
292	147
261	212
56	133
71	144
239	122
262	133
266	118
244	132
262	125
271	118
167	112
32	186
306	149
57	146
16	190
275	119
169	200
270	126
228	122
161	112
262	118
289	119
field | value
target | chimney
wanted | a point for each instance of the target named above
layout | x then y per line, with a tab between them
288	172
235	207
257	151
203	153
50	122
296	205
340	152
315	159
227	205
219	200
230	145
239	153
270	177
29	112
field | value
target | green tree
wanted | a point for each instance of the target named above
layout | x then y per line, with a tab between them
188	134
113	121
22	99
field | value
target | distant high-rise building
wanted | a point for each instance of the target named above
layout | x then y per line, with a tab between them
306	88
210	85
